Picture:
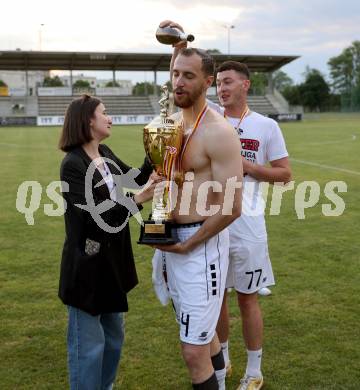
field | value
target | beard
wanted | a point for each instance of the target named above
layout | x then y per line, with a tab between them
189	98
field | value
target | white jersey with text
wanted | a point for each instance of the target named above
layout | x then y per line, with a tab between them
262	142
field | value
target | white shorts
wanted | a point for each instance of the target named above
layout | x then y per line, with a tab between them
249	266
196	283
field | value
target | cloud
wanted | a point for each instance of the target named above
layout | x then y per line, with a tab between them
315	30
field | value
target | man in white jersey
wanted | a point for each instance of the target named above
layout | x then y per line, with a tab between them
196	266
249	268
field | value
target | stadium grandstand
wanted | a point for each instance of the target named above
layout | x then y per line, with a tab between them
32	103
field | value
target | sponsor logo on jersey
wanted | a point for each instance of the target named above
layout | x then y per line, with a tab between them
250	144
251	156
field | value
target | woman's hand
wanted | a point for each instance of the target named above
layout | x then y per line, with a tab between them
154	185
156	177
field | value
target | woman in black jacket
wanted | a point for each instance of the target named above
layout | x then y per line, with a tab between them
97	267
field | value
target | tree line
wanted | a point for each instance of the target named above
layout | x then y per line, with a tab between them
315	93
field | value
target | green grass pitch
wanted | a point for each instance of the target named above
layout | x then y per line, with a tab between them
312	336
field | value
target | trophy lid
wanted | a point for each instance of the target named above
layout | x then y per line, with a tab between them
163	120
160	122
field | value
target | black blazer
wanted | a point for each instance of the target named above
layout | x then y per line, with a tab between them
95	283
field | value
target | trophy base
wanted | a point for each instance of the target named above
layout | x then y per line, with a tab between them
152	233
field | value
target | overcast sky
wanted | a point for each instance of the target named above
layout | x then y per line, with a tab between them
316	30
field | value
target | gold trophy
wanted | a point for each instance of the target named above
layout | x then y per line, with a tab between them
162	143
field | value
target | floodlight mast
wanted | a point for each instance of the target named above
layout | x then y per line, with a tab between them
228	27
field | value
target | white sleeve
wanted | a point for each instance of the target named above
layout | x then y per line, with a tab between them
276	147
215	107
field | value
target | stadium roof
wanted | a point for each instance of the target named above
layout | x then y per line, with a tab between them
49	60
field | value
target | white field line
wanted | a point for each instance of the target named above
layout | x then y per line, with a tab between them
313	164
353	138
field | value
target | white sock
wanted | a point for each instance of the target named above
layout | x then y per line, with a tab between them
253	367
220	376
225	351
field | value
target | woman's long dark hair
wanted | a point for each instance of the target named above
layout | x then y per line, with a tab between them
76	129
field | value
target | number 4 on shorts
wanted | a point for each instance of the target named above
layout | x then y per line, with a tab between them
186	323
259	271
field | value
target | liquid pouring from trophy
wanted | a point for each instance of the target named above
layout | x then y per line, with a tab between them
162	142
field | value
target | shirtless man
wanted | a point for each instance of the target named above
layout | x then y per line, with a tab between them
249	258
197	265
